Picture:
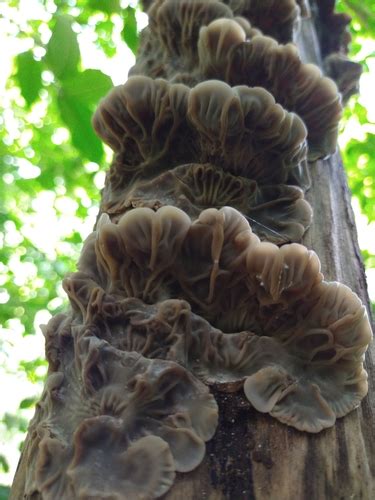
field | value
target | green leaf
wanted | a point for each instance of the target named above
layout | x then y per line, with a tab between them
12	422
363	13
130	33
4	465
74	238
63	50
89	86
77	117
368	258
27	403
29	76
105	31
4	492
107	6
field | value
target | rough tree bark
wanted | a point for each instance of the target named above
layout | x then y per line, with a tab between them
251	455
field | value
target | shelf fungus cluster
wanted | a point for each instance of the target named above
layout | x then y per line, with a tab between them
160	276
194	280
124	430
228	48
209	146
164	308
333	31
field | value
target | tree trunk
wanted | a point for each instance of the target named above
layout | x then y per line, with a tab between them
251	455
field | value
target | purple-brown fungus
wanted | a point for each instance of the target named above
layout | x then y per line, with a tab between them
112	423
298	341
229	49
245	150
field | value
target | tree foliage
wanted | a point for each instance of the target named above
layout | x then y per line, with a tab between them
52	163
52	167
358	129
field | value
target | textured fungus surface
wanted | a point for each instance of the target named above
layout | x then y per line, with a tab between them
260	61
300	341
227	53
147	123
245	151
344	72
175	295
335	37
111	423
230	50
332	28
279	19
278	213
179	19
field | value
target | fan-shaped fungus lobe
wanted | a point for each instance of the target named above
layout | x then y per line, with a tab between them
234	133
300	341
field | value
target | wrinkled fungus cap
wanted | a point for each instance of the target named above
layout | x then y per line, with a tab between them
299	341
112	417
277	18
228	48
260	61
278	213
241	129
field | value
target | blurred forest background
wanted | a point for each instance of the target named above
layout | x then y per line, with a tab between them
58	58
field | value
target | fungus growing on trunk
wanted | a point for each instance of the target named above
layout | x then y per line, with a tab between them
260	61
299	341
111	422
175	295
245	150
241	129
279	19
239	56
278	213
344	72
332	28
333	31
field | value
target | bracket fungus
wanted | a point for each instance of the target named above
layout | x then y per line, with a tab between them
260	61
229	49
176	23
113	419
244	150
298	342
332	28
278	212
279	19
298	351
335	37
175	294
344	72
146	123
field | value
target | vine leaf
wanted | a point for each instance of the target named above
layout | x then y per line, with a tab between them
88	87
29	76
63	53
108	6
4	492
130	32
76	115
